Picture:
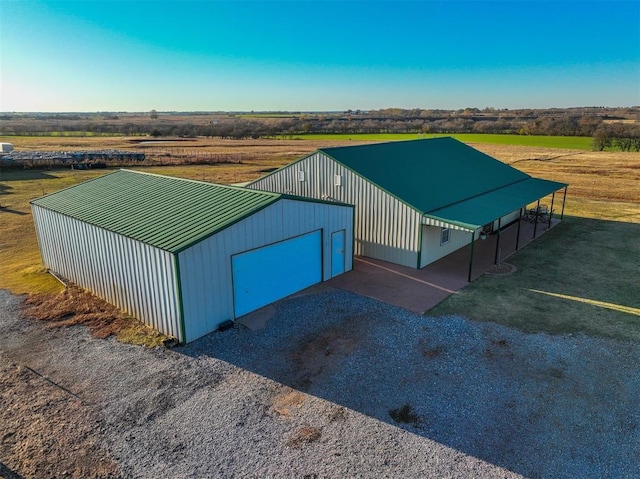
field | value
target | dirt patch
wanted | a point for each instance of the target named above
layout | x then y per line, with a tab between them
337	414
405	415
498	349
430	351
304	435
61	436
502	269
287	402
323	353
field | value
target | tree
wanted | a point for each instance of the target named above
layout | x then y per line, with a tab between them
153	115
601	138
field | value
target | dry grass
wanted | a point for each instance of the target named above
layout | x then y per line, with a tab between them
602	185
75	306
21	269
260	150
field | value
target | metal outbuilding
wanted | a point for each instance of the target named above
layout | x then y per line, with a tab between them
184	256
416	201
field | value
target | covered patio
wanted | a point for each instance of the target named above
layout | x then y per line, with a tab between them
419	290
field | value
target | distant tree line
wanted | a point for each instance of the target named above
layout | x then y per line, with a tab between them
617	135
609	128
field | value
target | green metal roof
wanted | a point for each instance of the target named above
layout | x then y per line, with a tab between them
476	212
444	179
168	213
427	174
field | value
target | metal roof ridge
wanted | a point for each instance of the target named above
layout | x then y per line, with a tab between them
389	142
206	183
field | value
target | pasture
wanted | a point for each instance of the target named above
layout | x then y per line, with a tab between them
564	142
579	277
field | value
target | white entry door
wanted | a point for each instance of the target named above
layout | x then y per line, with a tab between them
267	274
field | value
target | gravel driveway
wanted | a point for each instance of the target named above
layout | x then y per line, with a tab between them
337	385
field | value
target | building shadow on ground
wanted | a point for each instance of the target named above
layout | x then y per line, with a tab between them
19	174
7	473
536	405
540	405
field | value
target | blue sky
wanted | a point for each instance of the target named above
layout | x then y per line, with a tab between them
317	55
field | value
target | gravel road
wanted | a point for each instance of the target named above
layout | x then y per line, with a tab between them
336	386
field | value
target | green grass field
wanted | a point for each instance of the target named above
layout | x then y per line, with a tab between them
567	142
580	277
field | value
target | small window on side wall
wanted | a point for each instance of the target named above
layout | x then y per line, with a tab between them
444	236
300	175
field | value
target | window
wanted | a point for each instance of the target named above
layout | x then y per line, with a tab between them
444	236
300	175
338	180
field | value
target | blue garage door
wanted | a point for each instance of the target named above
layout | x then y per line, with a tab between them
266	274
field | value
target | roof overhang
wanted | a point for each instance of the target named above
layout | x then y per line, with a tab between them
474	213
444	223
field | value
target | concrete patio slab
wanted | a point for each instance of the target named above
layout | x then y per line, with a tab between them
416	290
419	290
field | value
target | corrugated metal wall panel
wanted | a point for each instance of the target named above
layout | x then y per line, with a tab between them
136	277
206	270
385	228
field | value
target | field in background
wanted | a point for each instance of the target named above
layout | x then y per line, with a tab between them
570	142
63	141
576	259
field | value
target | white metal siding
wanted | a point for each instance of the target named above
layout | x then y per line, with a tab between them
136	277
205	268
432	250
385	228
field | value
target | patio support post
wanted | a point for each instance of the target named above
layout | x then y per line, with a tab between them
473	237
518	233
535	223
564	198
495	260
553	196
